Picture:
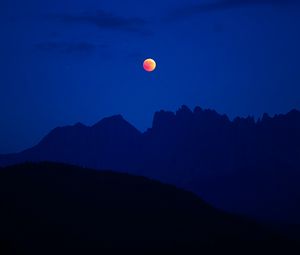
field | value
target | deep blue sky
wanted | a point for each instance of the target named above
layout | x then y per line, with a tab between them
65	61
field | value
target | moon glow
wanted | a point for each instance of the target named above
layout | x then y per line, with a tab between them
149	65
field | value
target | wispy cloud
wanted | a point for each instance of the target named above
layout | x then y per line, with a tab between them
104	20
195	9
67	47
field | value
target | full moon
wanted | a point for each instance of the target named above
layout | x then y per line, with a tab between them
149	65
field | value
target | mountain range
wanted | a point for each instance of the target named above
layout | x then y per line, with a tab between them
244	165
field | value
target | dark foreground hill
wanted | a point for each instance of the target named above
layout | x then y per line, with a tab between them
59	209
246	166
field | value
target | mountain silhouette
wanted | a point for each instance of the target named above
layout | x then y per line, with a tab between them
46	205
243	165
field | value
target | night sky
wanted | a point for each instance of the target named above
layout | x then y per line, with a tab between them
68	61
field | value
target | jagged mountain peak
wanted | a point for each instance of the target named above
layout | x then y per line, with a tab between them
79	125
114	119
116	124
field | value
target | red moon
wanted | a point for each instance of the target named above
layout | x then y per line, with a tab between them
149	65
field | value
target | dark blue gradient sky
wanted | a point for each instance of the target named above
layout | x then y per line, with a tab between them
65	61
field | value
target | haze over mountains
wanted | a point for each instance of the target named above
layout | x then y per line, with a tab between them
245	166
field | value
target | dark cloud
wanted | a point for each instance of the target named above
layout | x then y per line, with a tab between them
68	47
194	9
105	20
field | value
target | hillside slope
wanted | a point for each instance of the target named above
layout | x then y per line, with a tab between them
46	205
